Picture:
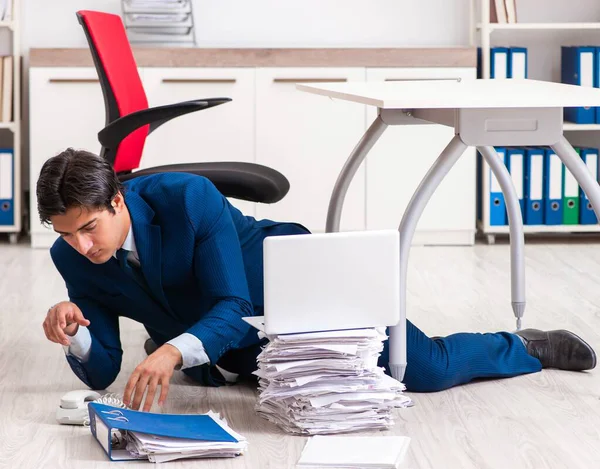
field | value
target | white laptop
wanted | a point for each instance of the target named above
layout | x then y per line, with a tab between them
328	281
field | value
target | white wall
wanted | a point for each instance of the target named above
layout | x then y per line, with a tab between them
276	23
311	23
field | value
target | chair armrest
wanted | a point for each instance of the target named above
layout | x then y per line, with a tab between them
112	135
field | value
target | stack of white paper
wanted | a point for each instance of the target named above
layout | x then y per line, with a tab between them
162	449
174	18
354	451
327	382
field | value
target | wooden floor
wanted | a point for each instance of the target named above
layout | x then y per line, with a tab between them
546	420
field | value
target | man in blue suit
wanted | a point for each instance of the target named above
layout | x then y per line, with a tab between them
170	252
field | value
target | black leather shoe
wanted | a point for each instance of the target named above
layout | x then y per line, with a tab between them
559	349
150	346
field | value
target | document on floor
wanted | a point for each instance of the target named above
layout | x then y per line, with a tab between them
128	434
377	452
327	382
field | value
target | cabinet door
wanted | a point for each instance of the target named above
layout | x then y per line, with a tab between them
308	138
221	133
401	158
66	109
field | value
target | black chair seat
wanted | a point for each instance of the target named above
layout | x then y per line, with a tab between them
245	181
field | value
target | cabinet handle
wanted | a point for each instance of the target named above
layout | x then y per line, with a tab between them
309	80
423	79
199	80
73	80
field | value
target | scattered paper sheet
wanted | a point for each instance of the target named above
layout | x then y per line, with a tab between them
354	452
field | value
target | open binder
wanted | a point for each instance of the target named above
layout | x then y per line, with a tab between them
126	434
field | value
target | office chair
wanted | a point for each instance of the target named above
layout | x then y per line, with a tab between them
129	120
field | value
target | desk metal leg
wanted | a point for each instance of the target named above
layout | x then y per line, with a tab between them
579	170
334	213
417	204
517	238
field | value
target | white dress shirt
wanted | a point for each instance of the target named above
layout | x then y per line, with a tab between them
191	348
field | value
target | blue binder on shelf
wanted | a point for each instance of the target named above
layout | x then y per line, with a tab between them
7	192
577	68
587	216
497	202
499	62
106	420
553	192
534	186
515	163
517	62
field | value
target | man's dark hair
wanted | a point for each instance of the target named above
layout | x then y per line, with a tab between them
76	178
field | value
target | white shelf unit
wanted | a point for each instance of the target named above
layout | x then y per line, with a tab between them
545	229
491	232
571	126
538	26
484	28
481	32
15	125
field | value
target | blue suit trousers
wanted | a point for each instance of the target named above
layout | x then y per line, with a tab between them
432	365
435	365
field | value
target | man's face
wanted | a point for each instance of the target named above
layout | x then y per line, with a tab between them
95	234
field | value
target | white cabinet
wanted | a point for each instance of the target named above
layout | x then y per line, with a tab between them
401	158
222	133
308	138
66	110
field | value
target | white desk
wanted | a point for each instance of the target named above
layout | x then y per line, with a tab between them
484	113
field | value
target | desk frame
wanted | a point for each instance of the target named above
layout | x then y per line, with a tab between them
483	128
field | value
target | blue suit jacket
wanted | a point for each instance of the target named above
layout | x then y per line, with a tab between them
202	260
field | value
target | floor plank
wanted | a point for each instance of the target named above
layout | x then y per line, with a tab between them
544	420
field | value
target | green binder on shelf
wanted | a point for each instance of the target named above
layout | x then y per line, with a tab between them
570	197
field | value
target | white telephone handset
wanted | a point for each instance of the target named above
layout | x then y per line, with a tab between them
73	405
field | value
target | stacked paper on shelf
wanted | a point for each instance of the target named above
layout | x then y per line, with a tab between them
153	19
156	3
327	382
127	434
158	18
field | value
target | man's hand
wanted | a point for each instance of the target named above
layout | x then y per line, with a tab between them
63	320
154	370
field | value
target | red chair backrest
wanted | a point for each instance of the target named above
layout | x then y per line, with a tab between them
121	84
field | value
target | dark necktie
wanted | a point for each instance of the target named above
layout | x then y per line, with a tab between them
131	265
